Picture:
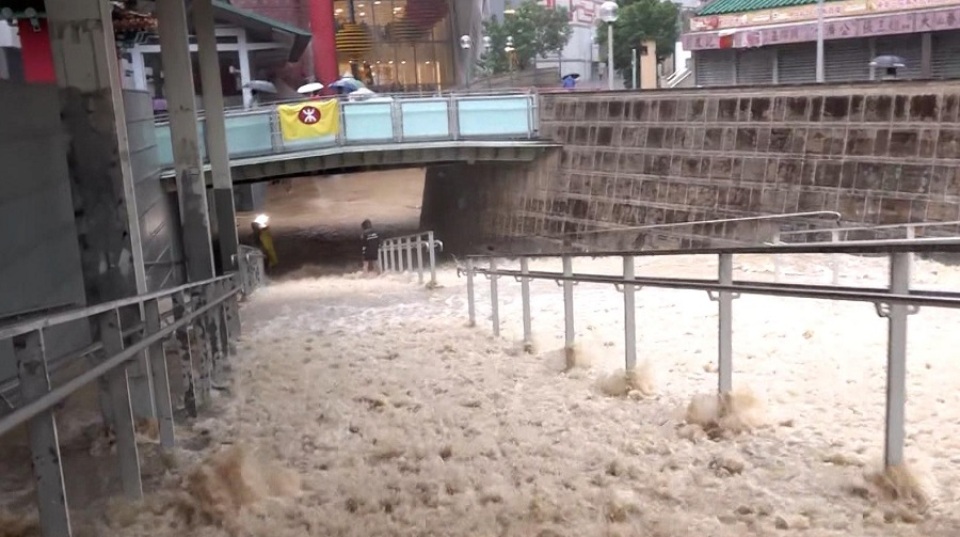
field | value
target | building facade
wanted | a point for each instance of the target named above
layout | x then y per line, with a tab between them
739	42
391	45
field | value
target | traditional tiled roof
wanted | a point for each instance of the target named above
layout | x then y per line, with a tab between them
722	7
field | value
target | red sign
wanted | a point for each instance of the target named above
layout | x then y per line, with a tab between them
308	115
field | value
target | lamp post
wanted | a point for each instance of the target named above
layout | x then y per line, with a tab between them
820	73
466	44
508	49
609	11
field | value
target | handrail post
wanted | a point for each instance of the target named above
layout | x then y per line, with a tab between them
139	377
725	326
494	299
568	332
471	299
629	315
161	379
896	361
34	379
433	258
776	259
188	369
380	261
835	258
398	265
525	297
111	335
409	242
420	259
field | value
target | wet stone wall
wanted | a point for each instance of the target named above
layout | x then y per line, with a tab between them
876	153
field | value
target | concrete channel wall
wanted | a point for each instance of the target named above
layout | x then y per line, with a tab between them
879	153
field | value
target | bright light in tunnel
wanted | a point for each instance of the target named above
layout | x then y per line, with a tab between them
261	220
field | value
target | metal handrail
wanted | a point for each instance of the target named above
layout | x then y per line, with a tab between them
58	394
922	245
391	256
895	303
904	225
808	214
80	313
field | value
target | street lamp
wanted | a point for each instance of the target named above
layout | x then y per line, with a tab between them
466	43
608	14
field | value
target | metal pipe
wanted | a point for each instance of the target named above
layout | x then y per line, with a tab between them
419	259
471	300
808	214
525	299
895	433
568	282
725	326
916	297
820	73
433	258
905	225
54	396
610	55
494	298
922	245
65	317
629	315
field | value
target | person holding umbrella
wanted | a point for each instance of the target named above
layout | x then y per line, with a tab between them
313	90
570	81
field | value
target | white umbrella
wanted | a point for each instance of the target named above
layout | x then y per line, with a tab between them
310	88
264	86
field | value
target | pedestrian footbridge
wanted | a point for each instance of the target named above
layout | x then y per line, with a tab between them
378	133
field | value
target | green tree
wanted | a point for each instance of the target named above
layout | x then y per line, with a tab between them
536	31
640	20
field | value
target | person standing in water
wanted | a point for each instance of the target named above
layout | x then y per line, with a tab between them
370	248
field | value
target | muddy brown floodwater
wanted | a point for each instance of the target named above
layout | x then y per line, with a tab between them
316	220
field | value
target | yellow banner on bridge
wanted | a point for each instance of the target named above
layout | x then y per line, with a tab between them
309	119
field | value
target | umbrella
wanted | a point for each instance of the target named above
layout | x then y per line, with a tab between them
261	85
571	75
888	61
312	87
349	84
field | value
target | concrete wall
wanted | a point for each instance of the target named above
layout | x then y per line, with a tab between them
158	209
877	153
40	263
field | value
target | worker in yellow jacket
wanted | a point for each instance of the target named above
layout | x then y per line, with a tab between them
261	233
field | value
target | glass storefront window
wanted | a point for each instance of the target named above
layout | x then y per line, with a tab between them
377	42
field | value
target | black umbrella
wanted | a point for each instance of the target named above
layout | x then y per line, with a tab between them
571	75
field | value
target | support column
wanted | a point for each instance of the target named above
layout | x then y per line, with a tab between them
324	42
87	70
216	130
926	55
188	164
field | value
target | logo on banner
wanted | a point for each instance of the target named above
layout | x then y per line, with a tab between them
308	115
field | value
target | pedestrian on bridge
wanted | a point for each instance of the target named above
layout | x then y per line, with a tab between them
370	241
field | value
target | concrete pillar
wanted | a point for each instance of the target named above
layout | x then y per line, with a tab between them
323	26
188	164
225	222
926	55
108	224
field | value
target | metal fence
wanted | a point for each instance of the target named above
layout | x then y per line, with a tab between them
402	254
906	230
895	303
129	352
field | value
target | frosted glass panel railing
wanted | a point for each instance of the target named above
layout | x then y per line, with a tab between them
253	134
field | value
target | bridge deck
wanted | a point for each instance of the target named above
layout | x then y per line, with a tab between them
380	132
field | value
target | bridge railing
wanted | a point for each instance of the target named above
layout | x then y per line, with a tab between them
895	302
405	253
386	120
128	349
